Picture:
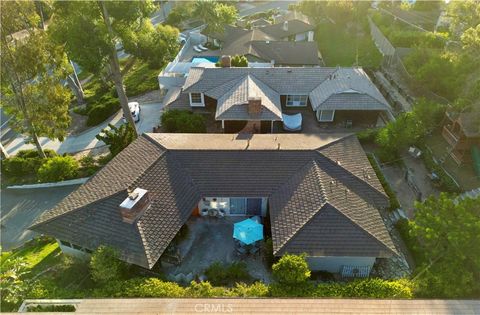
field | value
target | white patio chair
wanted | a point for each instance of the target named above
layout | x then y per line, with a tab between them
202	47
197	49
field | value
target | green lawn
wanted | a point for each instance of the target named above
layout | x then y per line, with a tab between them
35	253
339	47
140	79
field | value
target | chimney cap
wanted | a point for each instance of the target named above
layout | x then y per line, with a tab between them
133	198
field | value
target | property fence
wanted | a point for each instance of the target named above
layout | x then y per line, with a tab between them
392	63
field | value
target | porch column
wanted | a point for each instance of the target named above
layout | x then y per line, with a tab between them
223	124
271	126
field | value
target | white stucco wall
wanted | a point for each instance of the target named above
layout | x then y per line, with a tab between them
334	264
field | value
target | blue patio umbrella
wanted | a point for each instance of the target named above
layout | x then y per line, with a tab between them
248	231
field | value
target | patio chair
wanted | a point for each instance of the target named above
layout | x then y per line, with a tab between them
202	47
197	49
253	250
241	250
204	212
221	213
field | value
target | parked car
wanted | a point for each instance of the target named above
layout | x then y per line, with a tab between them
135	110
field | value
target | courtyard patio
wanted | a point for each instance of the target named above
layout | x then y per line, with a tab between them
210	240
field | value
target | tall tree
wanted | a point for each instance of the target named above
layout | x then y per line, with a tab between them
155	45
448	232
90	31
32	70
215	15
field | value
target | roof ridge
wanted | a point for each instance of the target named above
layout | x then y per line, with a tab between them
40	222
323	155
394	250
312	164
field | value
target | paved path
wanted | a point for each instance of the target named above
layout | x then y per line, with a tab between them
20	208
150	117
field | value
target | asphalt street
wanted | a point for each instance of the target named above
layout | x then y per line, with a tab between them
20	207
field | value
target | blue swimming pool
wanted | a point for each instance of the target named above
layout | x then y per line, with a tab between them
205	59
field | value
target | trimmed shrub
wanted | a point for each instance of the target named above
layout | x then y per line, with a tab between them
257	289
219	274
239	61
153	287
32	153
205	289
88	165
394	203
99	112
105	265
183	121
57	169
367	136
291	270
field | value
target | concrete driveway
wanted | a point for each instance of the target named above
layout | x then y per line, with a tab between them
19	209
150	117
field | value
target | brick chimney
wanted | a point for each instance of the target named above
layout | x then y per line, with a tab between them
134	205
226	61
254	105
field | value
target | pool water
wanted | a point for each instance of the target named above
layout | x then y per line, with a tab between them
205	59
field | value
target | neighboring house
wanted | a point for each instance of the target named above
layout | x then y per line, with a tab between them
267	45
462	133
243	97
319	192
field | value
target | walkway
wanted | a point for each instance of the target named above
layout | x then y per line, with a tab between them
149	118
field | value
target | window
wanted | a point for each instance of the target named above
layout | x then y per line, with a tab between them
326	115
76	247
297	100
196	99
64	243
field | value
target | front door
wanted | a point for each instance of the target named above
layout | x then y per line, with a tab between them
254	206
237	206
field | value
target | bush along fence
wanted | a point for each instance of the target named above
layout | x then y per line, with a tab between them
394	204
446	181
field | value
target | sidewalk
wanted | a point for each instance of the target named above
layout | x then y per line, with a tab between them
150	117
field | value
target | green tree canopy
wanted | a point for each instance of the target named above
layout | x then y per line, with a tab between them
105	265
409	128
215	15
155	45
463	15
448	232
32	70
90	30
291	270
117	138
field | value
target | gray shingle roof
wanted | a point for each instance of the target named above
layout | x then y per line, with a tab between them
233	105
328	88
238	41
347	81
294	27
286	52
179	169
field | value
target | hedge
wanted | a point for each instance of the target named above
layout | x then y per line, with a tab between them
99	112
394	204
58	168
24	163
154	287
